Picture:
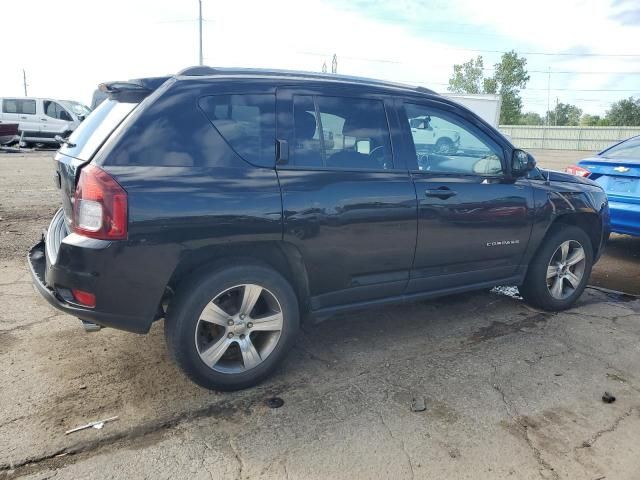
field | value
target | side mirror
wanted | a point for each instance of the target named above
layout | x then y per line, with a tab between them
522	163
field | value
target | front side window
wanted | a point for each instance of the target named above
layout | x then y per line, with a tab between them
246	122
445	144
55	110
340	133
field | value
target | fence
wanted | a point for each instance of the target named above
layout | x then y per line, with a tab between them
567	138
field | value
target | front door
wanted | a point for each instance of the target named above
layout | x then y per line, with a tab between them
349	206
55	119
473	222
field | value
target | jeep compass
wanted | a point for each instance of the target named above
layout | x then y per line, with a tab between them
236	203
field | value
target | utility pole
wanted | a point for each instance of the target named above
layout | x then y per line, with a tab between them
548	95
24	81
556	115
200	25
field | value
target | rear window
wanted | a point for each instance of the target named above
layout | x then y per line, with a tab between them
626	149
96	128
246	122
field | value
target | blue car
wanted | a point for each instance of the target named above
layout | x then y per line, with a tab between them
617	170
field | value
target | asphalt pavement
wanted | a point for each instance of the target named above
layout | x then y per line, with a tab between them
508	391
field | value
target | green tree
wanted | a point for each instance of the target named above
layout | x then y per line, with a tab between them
467	77
564	115
590	120
530	118
510	76
625	113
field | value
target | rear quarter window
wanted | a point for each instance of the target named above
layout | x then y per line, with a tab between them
246	122
180	127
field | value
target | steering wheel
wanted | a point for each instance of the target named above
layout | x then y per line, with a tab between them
378	155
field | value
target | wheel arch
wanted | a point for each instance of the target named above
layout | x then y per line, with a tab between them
589	222
283	257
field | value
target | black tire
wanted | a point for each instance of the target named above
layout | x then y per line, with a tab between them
187	306
536	290
444	146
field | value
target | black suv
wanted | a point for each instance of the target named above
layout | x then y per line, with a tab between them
232	203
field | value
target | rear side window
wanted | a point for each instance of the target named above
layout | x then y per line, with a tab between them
246	122
340	133
26	107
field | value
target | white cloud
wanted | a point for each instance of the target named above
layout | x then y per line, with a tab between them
69	46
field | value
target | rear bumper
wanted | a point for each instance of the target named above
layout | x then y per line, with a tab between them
79	262
37	264
625	217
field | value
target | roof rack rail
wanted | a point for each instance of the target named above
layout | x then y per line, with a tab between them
204	70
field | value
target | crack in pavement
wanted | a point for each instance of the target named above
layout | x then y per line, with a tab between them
25	326
401	442
522	428
74	452
594	438
237	457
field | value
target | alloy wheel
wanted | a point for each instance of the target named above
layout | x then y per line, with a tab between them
239	328
566	269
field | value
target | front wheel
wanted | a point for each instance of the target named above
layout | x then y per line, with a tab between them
444	146
230	328
559	272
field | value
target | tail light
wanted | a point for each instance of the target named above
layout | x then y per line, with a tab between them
576	170
100	206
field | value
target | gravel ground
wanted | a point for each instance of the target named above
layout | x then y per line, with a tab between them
510	392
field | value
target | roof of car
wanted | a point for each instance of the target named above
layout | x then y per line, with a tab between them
213	72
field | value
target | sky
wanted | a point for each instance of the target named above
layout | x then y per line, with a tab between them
67	47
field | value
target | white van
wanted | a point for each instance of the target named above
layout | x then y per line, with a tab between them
41	119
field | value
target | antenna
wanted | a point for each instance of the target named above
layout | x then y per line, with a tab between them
200	25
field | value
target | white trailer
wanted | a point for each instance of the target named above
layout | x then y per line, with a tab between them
485	105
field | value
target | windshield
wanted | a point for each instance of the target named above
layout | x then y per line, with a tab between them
627	149
77	108
98	126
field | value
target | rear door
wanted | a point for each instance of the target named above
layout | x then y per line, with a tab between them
349	204
473	222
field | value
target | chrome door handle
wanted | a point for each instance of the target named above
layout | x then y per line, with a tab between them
441	193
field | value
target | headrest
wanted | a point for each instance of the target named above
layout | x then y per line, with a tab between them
305	125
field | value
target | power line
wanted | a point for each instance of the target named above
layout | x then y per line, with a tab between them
565	54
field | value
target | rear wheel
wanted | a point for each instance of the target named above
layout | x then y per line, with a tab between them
559	272
229	329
